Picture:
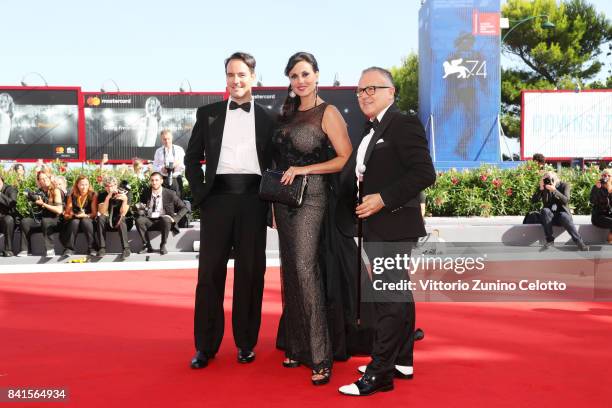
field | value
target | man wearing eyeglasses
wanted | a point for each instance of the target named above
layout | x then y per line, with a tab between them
394	159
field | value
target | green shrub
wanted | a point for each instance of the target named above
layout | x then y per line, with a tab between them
489	191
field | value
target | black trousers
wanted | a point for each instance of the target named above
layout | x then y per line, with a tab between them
73	226
104	224
7	228
560	218
395	321
146	224
238	221
602	221
47	226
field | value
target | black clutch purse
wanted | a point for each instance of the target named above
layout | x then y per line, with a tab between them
271	189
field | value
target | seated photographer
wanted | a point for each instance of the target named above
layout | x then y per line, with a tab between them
601	200
8	204
113	206
81	210
159	209
169	160
555	196
47	206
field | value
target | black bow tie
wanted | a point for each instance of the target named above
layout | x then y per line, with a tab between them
369	125
244	106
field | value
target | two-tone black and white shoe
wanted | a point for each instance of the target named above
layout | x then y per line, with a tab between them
400	372
367	385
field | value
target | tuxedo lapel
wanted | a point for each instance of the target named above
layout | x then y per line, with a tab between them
384	124
216	123
261	134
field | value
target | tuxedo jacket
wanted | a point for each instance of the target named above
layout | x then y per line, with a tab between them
560	197
399	167
173	205
205	144
8	200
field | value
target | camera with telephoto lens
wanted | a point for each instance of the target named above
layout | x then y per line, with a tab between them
141	209
547	181
124	188
170	167
33	196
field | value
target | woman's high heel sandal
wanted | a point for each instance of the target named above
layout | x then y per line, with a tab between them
289	363
321	376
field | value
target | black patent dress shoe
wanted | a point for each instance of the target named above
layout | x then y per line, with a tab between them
246	356
366	385
199	360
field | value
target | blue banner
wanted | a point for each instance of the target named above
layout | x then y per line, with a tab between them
459	79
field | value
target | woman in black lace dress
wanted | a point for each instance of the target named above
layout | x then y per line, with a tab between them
308	126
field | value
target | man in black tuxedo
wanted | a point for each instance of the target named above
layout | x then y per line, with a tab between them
160	209
235	138
8	213
396	166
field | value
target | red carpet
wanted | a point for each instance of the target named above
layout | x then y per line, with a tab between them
124	339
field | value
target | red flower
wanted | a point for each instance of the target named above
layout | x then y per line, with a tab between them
496	183
509	192
484	177
62	169
455	181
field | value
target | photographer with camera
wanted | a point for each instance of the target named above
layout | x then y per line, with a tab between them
47	206
601	200
555	195
159	209
113	206
8	205
81	210
169	160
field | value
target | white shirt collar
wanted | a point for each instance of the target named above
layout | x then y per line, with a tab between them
382	113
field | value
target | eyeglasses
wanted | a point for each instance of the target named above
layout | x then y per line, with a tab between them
369	90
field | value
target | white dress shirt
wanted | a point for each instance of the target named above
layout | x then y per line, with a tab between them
238	148
163	156
156	203
363	146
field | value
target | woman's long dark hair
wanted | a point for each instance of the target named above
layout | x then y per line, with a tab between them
291	104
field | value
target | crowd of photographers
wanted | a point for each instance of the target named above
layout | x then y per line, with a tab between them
54	208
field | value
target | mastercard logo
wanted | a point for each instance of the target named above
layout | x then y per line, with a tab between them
93	101
59	150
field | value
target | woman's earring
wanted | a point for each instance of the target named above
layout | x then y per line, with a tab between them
292	94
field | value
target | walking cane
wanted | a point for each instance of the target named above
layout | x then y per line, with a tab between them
361	169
